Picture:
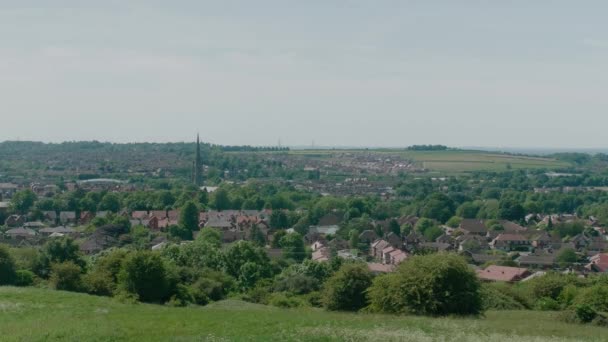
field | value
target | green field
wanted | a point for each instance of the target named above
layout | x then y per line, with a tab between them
454	161
45	315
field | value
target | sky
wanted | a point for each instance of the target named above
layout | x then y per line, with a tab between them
336	73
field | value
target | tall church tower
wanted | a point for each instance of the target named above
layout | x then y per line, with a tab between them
198	164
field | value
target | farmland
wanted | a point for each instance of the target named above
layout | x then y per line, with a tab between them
28	314
451	161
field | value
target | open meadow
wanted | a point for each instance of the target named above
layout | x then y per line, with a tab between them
28	314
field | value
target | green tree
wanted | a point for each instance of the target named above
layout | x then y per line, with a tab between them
293	247
66	276
393	226
567	257
57	251
436	284
7	266
257	236
211	236
189	216
221	200
145	274
110	202
279	220
346	290
22	201
276	238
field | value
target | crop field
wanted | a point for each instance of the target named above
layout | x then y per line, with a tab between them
28	314
453	161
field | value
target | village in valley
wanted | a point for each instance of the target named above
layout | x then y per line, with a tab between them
498	249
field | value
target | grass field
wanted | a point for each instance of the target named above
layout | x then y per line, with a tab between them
45	315
455	161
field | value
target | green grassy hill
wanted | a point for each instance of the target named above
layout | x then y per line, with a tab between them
45	315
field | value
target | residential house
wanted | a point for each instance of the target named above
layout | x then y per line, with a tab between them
321	255
598	263
15	221
67	217
49	217
473	227
57	230
543	261
20	233
377	268
435	246
511	242
86	217
394	240
503	274
139	215
512	227
367	236
160	214
377	247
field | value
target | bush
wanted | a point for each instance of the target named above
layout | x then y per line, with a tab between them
296	284
437	284
7	267
596	297
99	283
283	300
24	278
145	274
495	298
585	313
346	290
66	276
547	304
550	285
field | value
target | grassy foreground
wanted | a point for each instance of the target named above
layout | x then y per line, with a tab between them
45	315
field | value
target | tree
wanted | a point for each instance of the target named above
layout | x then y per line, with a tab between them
279	220
110	202
439	207
221	201
346	290
511	210
66	276
189	216
293	247
454	222
257	236
211	236
276	238
7	266
245	251
23	200
57	251
393	226
145	274
435	284
567	257
354	239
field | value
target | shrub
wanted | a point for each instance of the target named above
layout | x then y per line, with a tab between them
549	286
437	284
24	278
495	298
346	290
99	283
145	274
7	266
296	284
547	304
585	313
283	300
66	276
595	297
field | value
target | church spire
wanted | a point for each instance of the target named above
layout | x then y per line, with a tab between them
198	163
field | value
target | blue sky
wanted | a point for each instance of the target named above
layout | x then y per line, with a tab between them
346	73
